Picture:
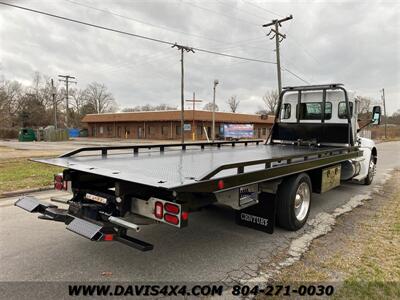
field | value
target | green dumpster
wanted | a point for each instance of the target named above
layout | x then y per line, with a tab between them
27	135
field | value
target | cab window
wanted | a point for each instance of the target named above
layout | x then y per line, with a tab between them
313	111
286	109
342	110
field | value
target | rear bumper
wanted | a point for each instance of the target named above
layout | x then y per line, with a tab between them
94	231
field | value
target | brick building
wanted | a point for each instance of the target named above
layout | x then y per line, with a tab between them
166	124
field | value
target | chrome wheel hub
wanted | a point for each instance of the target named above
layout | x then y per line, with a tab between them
302	201
372	169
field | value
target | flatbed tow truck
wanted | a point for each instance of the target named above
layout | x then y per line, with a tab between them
117	190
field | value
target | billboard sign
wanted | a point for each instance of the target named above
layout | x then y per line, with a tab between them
238	131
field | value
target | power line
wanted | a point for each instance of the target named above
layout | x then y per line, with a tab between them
221	14
132	34
234	56
239	9
295	75
262	8
143	22
144	37
279	37
67	80
167	28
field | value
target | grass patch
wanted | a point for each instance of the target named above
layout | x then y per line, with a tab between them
377	275
360	256
23	174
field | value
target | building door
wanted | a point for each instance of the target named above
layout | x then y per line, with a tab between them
140	132
119	131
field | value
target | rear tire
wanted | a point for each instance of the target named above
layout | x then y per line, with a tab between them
294	201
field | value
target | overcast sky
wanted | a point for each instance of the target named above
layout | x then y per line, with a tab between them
353	42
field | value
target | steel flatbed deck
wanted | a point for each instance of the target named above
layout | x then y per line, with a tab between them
185	167
116	189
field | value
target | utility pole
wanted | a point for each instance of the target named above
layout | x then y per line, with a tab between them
213	112
194	101
384	110
279	37
182	49
53	93
67	80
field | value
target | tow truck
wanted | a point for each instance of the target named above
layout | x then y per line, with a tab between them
312	147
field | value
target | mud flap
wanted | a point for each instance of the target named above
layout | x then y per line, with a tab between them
260	216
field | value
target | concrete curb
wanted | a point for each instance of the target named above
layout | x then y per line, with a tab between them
22	192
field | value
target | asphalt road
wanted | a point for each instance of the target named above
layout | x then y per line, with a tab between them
210	249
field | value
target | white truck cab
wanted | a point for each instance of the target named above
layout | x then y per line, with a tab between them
301	120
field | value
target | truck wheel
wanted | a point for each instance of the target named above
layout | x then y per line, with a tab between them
371	172
294	201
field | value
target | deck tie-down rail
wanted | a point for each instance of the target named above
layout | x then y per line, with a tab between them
105	149
268	162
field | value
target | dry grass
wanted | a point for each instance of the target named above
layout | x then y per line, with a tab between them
361	255
21	173
9	153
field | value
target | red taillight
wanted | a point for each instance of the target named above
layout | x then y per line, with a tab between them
108	237
59	184
158	210
171	208
58	177
171	219
221	184
185	215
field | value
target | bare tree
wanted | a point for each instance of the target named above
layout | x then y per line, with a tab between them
10	102
78	99
233	103
394	118
209	106
365	104
97	96
149	107
270	100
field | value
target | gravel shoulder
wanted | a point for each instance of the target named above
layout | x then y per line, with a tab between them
360	256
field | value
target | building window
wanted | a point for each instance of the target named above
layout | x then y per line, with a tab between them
164	130
109	129
178	130
199	130
101	130
264	131
150	130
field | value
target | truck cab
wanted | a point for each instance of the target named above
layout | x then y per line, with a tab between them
318	115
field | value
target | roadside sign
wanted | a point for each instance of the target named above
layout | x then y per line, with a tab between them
238	131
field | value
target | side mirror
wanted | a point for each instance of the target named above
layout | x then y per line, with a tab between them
376	115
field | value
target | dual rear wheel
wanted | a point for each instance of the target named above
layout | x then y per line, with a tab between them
294	198
294	201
